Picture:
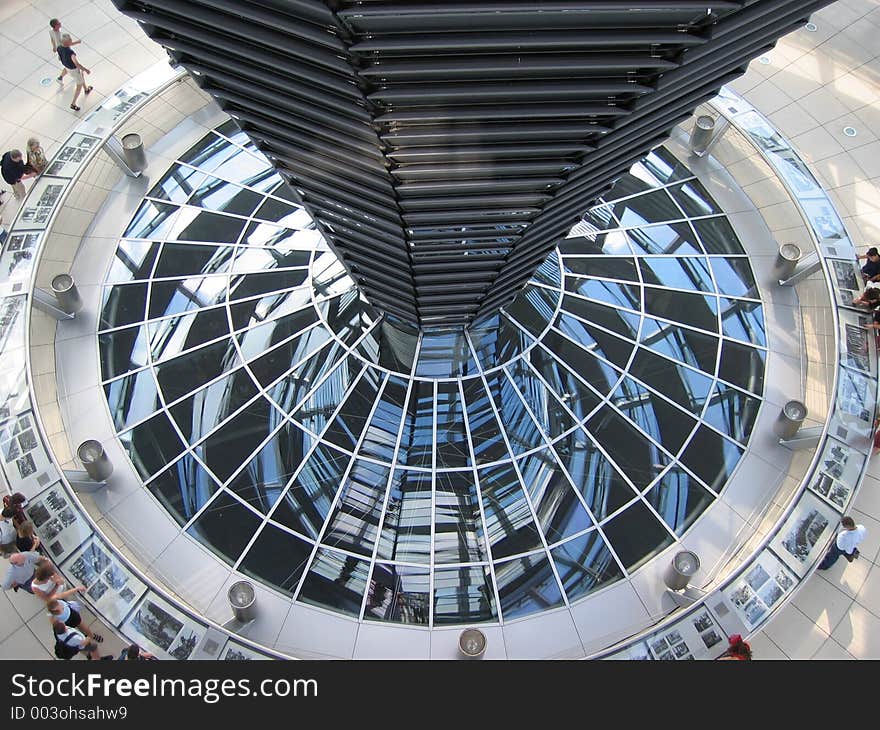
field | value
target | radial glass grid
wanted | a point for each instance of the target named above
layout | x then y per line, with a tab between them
430	478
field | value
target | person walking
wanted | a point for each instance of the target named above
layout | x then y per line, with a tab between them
69	613
13	170
69	642
21	570
846	543
55	39
77	70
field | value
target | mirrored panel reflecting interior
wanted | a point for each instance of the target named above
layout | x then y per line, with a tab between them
440	477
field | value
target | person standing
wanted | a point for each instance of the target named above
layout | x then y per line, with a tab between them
27	540
55	40
77	70
36	157
13	169
21	569
846	543
8	535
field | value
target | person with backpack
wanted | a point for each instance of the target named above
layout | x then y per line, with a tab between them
69	642
69	613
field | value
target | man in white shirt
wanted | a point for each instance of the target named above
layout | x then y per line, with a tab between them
21	570
8	533
845	544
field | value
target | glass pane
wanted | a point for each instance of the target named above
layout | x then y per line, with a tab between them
526	586
381	435
315	412
609	292
345	430
743	320
557	506
183	488
170	337
122	351
197	415
277	558
670	238
152	445
614	349
636	535
276	362
732	412
509	524
452	447
406	532
688	346
123	304
133	260
497	340
445	355
657	417
717	236
463	596
152	220
187	373
336	581
354	524
604	490
178	184
624	323
263	480
689	309
679	272
734	276
653	207
521	430
686	387
637	457
486	436
133	398
580	399
231	445
585	564
458	530
399	594
711	457
187	259
306	504
694	199
225	527
743	366
220	195
602	267
679	499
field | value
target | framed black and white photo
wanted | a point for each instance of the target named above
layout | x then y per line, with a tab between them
58	522
803	537
111	586
234	652
759	588
163	630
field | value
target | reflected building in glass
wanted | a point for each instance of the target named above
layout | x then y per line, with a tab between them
429	477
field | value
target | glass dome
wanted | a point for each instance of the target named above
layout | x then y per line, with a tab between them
434	478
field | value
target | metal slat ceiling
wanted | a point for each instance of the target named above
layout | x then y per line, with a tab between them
457	141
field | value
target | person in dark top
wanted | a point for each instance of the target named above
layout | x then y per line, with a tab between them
27	540
871	269
72	64
14	171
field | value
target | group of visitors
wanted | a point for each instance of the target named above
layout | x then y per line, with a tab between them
32	572
15	166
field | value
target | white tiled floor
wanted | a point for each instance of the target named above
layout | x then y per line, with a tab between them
814	85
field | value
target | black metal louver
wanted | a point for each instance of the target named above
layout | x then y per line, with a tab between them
443	148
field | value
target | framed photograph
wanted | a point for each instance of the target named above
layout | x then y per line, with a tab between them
162	629
854	407
58	522
110	586
234	652
839	468
804	536
753	605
